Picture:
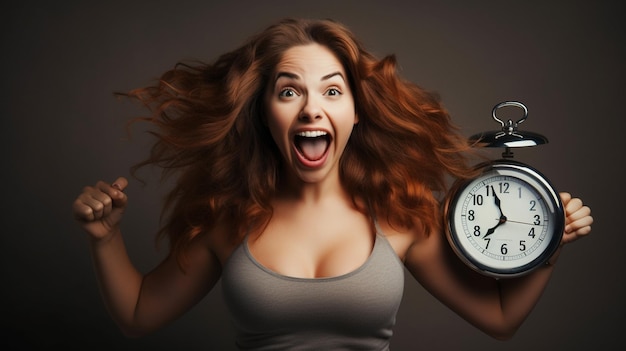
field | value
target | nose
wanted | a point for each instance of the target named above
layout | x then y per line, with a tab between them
311	110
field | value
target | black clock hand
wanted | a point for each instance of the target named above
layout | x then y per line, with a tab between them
493	229
497	200
502	218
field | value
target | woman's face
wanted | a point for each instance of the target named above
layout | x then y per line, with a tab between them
310	111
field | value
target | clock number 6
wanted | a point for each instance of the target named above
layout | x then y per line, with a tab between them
503	249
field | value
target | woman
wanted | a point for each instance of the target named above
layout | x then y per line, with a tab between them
309	174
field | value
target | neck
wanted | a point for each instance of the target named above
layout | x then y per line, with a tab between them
330	187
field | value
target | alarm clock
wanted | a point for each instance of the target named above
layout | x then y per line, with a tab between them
509	220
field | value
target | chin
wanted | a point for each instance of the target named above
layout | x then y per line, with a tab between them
313	176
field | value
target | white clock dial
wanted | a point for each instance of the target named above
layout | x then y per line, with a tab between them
506	221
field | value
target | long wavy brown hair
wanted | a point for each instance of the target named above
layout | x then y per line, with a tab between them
210	135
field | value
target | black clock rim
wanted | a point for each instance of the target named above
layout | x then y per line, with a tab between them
509	272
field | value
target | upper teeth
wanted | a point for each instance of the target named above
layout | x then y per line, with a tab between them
312	133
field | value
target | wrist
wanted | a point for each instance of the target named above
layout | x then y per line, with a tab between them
105	239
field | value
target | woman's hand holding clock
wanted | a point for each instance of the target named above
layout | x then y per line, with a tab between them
578	218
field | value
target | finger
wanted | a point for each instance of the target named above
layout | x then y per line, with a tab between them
120	183
93	204
579	213
115	191
103	203
575	235
82	211
577	229
88	209
565	198
573	205
119	198
580	226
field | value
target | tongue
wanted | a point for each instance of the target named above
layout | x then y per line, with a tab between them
313	149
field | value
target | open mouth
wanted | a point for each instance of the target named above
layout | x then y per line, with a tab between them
312	145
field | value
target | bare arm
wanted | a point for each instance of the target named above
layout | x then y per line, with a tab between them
139	303
498	307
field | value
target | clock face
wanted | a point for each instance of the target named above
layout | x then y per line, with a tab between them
507	221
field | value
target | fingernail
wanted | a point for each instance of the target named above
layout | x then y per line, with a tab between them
116	186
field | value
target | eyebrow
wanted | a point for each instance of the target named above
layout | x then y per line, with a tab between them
296	77
328	76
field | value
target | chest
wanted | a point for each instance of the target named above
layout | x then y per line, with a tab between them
359	304
314	244
323	247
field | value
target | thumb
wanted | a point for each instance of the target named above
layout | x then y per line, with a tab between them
118	197
120	183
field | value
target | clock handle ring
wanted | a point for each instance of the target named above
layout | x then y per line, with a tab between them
509	127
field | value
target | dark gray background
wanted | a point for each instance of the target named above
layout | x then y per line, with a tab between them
62	129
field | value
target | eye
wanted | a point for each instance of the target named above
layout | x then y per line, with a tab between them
287	93
333	92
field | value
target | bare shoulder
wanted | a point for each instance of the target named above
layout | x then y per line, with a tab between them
220	242
401	239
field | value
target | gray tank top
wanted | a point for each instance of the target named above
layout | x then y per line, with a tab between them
354	311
